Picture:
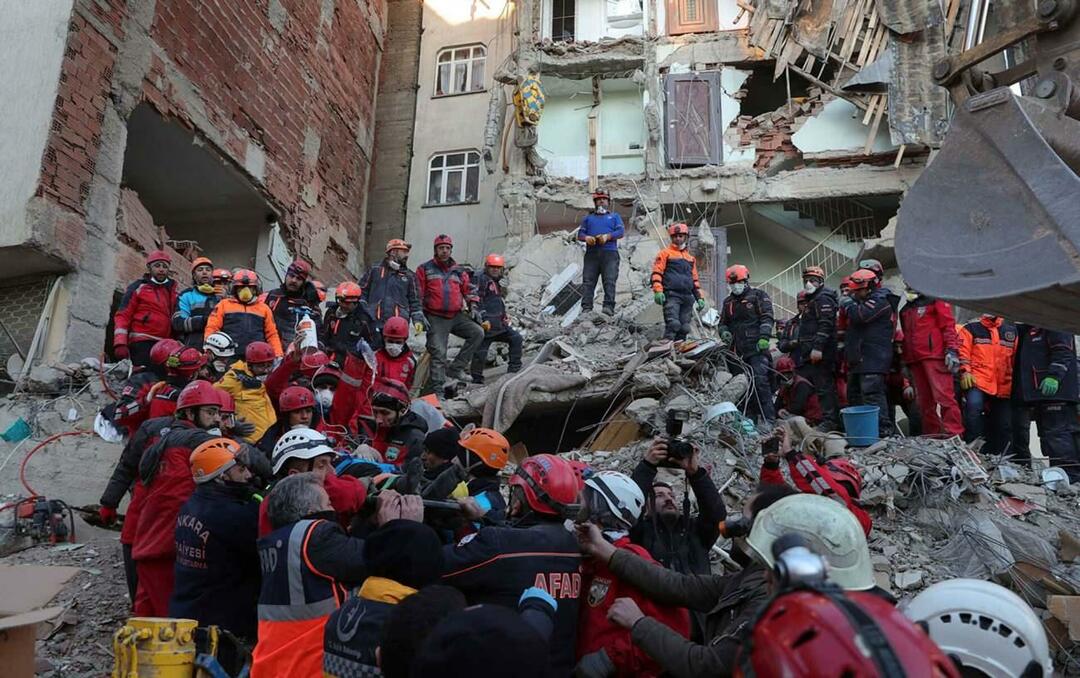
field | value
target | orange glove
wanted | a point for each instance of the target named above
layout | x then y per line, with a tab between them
602	238
590	241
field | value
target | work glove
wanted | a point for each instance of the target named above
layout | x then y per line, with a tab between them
602	238
967	381
477	315
363	350
420	324
120	351
486	325
700	304
107	514
763	344
725	338
952	361
816	356
595	665
909	393
418	327
1049	386
243	428
590	241
659	298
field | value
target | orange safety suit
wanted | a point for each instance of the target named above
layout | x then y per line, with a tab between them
244	323
987	348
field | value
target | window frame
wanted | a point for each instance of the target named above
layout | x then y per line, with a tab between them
679	23
444	168
563	17
470	64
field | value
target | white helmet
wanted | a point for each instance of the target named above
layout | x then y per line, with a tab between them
623	496
828	526
300	443
220	344
986	626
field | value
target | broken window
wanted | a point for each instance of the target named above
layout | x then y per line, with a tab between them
562	20
460	70
454	178
693	119
691	16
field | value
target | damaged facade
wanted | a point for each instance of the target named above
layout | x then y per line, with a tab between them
238	131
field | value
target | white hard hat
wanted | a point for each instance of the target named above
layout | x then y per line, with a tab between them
986	626
300	443
220	344
622	495
829	527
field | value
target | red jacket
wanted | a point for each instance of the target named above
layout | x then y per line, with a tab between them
347	496
401	368
599	590
929	330
162	400
813	478
145	312
445	289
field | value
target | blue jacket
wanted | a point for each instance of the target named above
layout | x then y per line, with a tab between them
595	224
868	343
491	302
192	309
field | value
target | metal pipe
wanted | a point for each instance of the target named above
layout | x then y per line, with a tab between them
976	23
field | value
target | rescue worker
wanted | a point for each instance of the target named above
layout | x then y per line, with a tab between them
614	503
410	623
295	409
481	453
395	360
817	344
308	564
220	354
450	305
496	322
324	383
494	565
796	397
675	283
165	473
181	368
217	564
222	282
1044	379
244	382
243	317
746	324
132	406
787	340
402	557
600	230
195	304
931	352
145	312
390	290
294	300
868	343
346	321
987	349
399	433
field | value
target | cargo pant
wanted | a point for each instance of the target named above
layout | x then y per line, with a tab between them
438	337
506	336
869	389
761	403
1056	422
599	264
824	380
934	388
678	309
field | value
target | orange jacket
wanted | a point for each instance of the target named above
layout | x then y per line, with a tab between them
244	323
987	348
675	270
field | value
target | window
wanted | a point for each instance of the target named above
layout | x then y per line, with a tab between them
691	16
693	119
562	20
460	70
454	178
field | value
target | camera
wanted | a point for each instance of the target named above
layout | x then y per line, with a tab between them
678	448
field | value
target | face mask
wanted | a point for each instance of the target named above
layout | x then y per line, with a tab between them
911	296
219	366
245	295
159	281
394	265
810	286
738	288
395	349
324	397
600	209
206	288
214	431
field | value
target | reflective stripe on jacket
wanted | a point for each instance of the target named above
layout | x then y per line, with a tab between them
444	288
987	351
145	312
244	323
675	270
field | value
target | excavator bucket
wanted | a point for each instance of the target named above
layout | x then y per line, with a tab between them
993	224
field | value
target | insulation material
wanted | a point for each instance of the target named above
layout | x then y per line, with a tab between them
909	16
918	108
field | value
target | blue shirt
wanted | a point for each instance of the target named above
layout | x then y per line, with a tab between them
595	224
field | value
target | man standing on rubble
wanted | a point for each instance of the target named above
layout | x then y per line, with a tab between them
599	230
451	307
870	310
490	287
817	344
145	312
987	351
389	289
746	323
931	352
675	283
1045	380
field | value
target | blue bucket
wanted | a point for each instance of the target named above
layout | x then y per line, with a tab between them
861	425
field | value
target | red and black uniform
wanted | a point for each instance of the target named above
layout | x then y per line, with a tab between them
799	399
402	441
929	333
447	294
1043	354
389	293
813	478
397	368
340	333
868	347
445	288
144	316
817	332
289	307
493	309
600	589
132	408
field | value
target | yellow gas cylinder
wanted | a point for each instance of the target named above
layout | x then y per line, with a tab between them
155	646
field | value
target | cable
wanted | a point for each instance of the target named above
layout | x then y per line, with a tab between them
43	443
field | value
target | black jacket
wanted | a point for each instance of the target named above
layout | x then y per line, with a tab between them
817	326
217	563
390	293
289	307
749	317
491	302
1044	353
339	334
351	635
871	324
406	438
788	341
496	564
683	546
127	467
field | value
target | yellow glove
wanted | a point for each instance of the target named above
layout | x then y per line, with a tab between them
418	327
486	325
602	238
590	241
967	381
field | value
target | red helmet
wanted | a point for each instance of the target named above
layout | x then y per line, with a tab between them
845	282
320	289
813	272
186	362
198	393
845	472
581	469
390	393
162	349
328	375
443	239
862	279
397	244
299	268
737	273
800	298
396	328
600	194
495	260
678	228
158	255
800	633
222	275
785	365
245	278
549	483
258	352
228	405
311	362
295	398
873	265
347	291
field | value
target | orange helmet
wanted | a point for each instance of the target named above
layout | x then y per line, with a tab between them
862	279
397	244
678	228
813	272
496	260
201	261
222	275
320	289
245	278
212	458
737	273
845	282
347	291
489	445
396	328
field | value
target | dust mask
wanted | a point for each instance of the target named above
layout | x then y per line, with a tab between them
810	286
325	397
738	288
394	265
206	288
214	431
245	295
219	366
394	349
600	209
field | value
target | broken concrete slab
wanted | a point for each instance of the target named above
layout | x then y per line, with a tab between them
643	410
909	579
1066	609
